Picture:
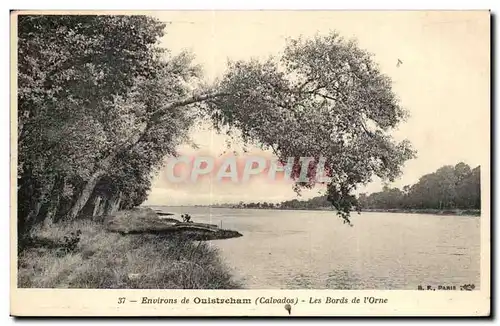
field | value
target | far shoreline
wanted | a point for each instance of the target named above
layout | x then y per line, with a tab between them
429	211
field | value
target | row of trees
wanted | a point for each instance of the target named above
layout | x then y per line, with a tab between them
319	202
314	203
263	205
100	104
449	187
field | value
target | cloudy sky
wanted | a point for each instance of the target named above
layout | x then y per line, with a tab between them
443	82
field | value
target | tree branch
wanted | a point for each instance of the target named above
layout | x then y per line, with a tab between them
194	99
369	133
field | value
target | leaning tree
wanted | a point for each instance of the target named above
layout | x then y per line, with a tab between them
98	101
323	98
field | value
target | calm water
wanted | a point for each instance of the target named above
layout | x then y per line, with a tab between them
315	250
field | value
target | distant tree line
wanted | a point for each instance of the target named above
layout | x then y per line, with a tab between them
319	202
450	187
313	203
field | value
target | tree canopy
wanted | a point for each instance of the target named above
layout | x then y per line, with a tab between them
89	89
449	187
323	98
100	104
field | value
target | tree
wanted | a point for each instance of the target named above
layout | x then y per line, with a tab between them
469	189
447	188
323	98
100	105
75	76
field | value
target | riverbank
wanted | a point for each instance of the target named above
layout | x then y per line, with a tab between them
83	254
456	212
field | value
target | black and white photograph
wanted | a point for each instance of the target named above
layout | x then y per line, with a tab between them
252	150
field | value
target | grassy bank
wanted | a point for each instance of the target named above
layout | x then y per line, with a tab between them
100	259
457	212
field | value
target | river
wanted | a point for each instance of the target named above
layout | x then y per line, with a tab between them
315	250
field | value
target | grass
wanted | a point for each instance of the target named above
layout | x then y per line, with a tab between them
112	261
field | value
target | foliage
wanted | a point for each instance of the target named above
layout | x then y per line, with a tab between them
88	90
319	202
323	98
447	188
101	104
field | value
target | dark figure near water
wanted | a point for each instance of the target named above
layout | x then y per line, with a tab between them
186	218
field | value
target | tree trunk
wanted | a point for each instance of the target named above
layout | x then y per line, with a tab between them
97	205
113	203
104	165
102	169
85	194
34	216
51	211
102	206
31	218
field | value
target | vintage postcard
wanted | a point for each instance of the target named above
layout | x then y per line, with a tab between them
250	163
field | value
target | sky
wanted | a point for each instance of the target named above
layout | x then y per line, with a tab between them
443	82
